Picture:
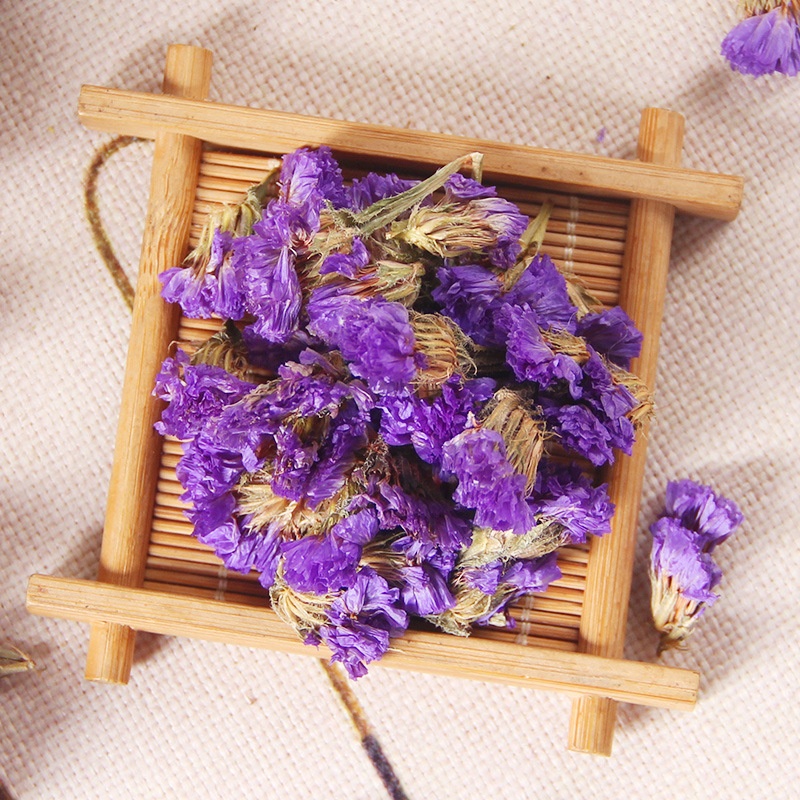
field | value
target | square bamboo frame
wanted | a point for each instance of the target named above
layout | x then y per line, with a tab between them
612	224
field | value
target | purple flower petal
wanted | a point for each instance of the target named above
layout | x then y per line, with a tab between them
320	564
567	496
486	480
427	425
194	394
713	517
374	335
765	43
532	359
541	289
424	591
470	296
347	264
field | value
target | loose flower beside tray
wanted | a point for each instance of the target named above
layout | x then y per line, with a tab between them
400	416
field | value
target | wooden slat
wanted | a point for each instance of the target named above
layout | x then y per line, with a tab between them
610	573
141	114
475	658
176	162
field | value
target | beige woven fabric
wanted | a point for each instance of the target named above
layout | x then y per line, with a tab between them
207	721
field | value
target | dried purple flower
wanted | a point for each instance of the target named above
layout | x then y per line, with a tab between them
455	228
469	295
542	290
486	480
613	334
193	394
425	591
374	335
713	517
373	187
320	564
362	621
682	572
428	424
767	40
566	496
484	593
532	358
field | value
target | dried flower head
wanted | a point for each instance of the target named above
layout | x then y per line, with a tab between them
483	593
683	575
396	281
305	612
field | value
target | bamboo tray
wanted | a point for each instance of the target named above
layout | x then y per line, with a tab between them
612	224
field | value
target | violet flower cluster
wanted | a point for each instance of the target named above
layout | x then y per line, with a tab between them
380	429
767	40
683	574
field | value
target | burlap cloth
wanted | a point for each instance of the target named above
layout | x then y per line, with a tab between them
208	721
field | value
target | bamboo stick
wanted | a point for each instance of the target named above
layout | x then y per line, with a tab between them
180	540
221	578
546	603
143	115
160	512
180	527
642	295
528	628
423	651
512	637
605	232
130	498
214	595
195	555
226	158
533	614
248	173
183	567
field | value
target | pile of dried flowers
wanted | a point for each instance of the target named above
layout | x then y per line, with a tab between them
395	418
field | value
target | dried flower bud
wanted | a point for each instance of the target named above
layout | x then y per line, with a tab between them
489	226
683	575
393	280
262	507
483	593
